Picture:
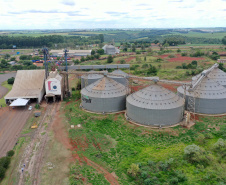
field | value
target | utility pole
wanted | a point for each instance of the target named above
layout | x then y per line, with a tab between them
67	83
45	53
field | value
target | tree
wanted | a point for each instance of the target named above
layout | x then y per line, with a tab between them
10	153
2	173
224	40
4	162
221	66
93	52
97	55
133	48
82	59
156	41
101	36
125	49
100	51
142	47
110	59
12	58
7	56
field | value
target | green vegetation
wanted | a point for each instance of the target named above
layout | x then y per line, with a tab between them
143	156
11	80
4	164
9	87
78	172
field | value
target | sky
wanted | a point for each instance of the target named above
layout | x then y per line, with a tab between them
81	14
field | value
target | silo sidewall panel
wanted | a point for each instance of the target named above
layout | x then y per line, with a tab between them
120	80
100	105
154	117
82	83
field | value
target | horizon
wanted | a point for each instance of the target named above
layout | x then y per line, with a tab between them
120	14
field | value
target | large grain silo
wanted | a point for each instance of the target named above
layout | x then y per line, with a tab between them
90	78
121	79
155	106
104	96
210	97
216	75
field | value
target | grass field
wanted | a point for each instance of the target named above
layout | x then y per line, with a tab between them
202	35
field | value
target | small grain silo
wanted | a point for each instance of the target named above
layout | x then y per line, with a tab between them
90	78
155	106
209	96
104	96
122	79
216	74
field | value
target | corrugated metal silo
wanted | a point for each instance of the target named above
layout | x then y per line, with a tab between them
120	79
216	75
155	106
210	97
104	95
91	78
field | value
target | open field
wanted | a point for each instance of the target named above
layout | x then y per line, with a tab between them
217	35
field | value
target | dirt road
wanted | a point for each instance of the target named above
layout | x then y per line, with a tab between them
4	77
11	124
34	152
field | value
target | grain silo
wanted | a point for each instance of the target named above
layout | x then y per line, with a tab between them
104	96
155	106
216	75
90	78
209	96
121	79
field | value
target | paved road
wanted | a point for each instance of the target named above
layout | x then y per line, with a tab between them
4	77
11	124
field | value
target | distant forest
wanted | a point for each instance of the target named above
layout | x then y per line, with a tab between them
85	38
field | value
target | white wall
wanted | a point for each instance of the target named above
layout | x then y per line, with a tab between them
53	86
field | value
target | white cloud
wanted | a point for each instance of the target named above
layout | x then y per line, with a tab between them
60	14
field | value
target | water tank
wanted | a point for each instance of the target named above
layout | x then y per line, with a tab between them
155	106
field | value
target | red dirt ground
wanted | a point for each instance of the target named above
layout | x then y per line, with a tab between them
75	145
179	58
127	60
171	87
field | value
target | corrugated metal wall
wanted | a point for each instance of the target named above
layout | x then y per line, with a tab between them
152	117
207	106
107	105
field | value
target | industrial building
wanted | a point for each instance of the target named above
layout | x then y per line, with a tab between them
28	84
110	50
155	106
59	53
121	79
216	75
54	86
89	79
209	97
104	96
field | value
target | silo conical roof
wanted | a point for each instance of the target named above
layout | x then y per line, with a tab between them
118	71
104	88
216	74
155	97
207	89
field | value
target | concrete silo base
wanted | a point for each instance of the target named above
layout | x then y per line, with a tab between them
150	126
99	112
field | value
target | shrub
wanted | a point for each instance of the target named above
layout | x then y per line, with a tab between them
122	61
144	175
190	150
173	180
148	181
10	153
220	144
73	88
178	50
11	80
171	56
37	106
133	170
200	139
209	136
2	173
184	54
